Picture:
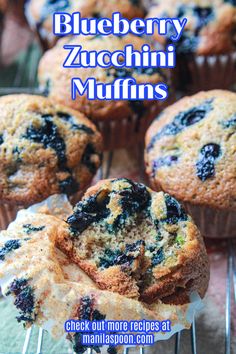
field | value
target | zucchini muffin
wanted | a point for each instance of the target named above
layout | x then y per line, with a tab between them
39	278
121	122
190	153
206	52
136	242
45	149
40	12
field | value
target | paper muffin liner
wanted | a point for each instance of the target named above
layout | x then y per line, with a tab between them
113	305
7	215
195	73
8	212
125	132
213	223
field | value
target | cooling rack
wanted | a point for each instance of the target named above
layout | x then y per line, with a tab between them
25	81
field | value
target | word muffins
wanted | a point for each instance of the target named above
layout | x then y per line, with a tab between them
190	153
121	122
44	149
143	252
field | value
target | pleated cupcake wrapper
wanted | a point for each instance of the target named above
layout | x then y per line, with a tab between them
114	306
196	73
8	212
125	132
7	215
213	223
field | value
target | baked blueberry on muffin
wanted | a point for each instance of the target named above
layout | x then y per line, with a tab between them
136	242
40	12
121	122
45	149
206	50
190	153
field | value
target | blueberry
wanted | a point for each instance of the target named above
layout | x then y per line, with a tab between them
135	2
87	158
49	136
182	121
148	71
85	308
174	211
111	350
158	257
85	311
24	299
119	73
137	107
74	126
9	246
111	258
47	87
52	6
1	139
92	209
163	161
231	123
17	152
68	185
28	228
206	163
204	16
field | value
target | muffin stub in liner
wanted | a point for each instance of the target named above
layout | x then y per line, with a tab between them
67	295
194	73
213	223
7	214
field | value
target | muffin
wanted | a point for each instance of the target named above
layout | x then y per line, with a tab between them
190	153
136	242
45	149
39	13
206	54
121	122
40	279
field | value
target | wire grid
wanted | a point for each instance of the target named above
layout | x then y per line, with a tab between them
25	81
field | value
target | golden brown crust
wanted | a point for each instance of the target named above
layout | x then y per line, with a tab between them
213	33
51	71
45	149
168	267
177	163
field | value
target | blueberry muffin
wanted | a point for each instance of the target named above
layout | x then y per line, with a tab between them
190	153
136	242
206	50
39	12
40	279
121	122
45	149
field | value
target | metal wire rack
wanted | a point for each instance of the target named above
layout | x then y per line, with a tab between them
25	81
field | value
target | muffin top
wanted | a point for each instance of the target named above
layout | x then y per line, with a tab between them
210	28
44	149
191	150
39	12
57	80
139	243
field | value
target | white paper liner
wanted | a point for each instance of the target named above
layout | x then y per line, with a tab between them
66	295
